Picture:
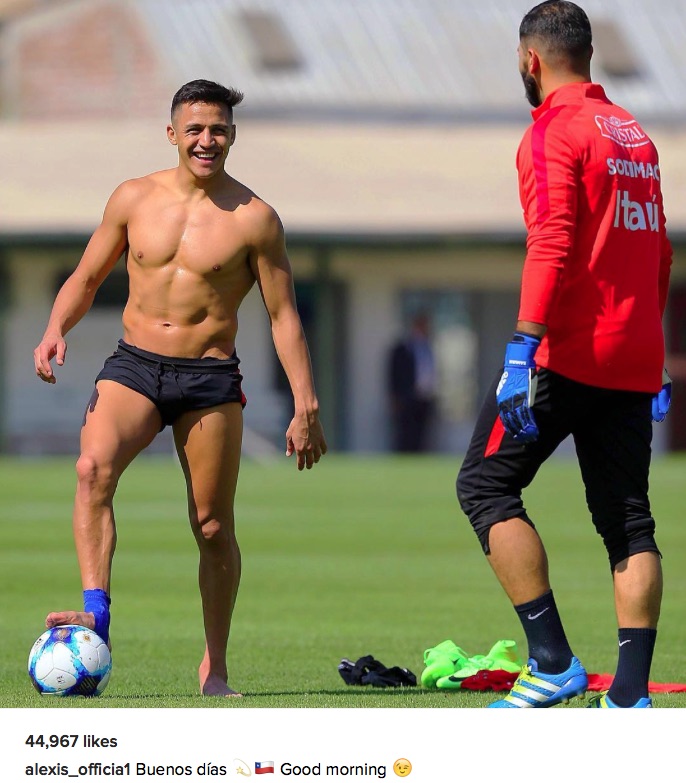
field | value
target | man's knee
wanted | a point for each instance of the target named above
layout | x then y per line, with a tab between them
95	476
486	507
213	529
626	538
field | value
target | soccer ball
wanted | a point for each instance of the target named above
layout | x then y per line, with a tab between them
70	660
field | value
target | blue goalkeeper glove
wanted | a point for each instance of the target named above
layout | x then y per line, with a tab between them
663	399
517	388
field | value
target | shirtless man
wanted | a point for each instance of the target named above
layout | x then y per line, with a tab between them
196	241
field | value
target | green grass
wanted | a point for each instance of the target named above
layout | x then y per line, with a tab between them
358	556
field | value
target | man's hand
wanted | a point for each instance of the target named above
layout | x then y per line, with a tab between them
517	388
51	347
663	399
305	437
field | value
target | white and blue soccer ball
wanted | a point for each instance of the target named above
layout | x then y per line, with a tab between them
70	660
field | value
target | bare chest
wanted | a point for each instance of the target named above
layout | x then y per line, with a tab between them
204	240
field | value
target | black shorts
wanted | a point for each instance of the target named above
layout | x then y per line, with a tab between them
612	432
175	385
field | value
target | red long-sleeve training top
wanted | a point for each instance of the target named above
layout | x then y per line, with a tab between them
598	258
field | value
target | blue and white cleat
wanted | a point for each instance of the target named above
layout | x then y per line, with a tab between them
536	689
603	700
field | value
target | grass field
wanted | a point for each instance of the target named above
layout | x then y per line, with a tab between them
358	556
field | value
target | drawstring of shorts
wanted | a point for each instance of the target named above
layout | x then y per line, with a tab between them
158	387
160	369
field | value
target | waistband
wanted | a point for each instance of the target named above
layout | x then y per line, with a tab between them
208	364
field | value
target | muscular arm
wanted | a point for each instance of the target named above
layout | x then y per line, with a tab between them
76	295
271	267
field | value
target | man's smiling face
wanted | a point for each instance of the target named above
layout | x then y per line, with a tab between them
204	133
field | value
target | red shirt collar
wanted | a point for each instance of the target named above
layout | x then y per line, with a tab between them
575	92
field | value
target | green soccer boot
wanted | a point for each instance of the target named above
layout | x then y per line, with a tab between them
502	656
440	661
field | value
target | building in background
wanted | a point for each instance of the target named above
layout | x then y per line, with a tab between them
384	133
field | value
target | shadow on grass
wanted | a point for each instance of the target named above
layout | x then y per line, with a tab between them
249	697
364	692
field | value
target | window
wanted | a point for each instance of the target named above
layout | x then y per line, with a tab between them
275	49
612	51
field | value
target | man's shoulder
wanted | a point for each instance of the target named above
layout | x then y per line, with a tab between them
577	118
562	126
596	128
250	199
554	131
558	117
123	200
139	186
253	209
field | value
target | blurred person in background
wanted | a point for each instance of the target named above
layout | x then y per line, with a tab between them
412	387
586	359
196	241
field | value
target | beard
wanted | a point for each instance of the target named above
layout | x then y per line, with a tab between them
531	90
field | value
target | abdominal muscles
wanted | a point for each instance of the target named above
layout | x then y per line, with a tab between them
175	312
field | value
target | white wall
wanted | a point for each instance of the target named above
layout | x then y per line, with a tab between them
372	328
375	279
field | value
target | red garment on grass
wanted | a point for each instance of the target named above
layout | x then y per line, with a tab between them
500	680
602	682
489	680
598	259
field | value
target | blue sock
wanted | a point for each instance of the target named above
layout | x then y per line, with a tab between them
98	602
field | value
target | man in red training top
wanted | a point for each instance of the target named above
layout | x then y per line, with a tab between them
586	359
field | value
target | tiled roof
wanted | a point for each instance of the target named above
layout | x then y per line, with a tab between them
441	57
344	59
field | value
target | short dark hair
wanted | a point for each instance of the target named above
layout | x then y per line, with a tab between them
560	25
203	91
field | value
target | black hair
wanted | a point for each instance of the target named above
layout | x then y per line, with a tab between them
203	91
561	26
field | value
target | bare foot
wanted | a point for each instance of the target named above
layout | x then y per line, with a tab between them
213	684
70	618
